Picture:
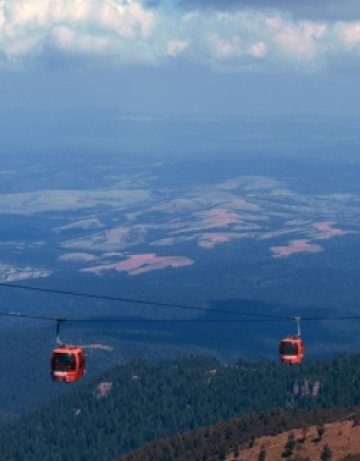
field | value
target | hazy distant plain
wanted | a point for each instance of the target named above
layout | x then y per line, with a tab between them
195	211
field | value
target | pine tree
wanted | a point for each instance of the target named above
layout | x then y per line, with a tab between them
326	454
289	446
252	440
262	454
320	430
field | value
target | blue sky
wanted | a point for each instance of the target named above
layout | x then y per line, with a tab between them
200	57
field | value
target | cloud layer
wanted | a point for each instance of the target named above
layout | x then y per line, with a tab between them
117	32
324	9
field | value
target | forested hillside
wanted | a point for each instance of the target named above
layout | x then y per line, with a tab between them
139	402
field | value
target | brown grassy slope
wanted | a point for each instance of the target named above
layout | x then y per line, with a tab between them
214	443
343	439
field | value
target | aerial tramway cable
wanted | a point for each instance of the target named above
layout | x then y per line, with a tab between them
161	320
137	319
68	362
143	301
265	317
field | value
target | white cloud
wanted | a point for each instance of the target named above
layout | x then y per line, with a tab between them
130	31
225	48
258	49
175	47
70	40
300	40
87	26
144	18
351	33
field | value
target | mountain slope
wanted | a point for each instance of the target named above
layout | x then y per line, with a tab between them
139	402
333	441
279	435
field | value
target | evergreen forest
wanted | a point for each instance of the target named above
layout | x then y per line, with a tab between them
140	402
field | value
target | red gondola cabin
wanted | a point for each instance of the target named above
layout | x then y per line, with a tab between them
291	350
67	363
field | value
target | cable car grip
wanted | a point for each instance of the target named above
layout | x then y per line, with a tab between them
58	323
297	320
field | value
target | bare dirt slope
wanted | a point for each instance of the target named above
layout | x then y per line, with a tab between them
343	438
